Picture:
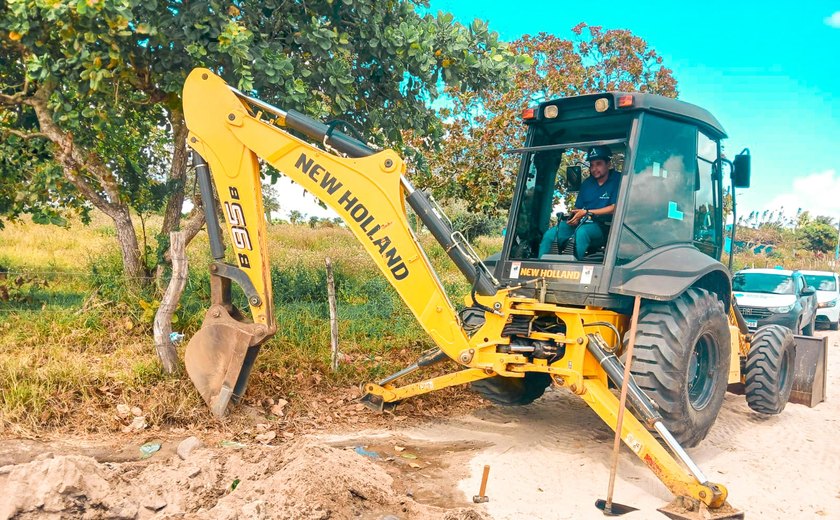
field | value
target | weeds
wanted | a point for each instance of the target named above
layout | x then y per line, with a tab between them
81	342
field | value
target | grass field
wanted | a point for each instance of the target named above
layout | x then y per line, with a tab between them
76	340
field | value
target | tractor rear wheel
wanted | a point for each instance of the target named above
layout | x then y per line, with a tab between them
512	391
681	361
770	365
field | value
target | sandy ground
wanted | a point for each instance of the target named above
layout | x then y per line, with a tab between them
548	461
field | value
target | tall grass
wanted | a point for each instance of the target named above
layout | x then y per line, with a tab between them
82	343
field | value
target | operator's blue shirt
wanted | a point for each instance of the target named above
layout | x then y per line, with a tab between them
595	196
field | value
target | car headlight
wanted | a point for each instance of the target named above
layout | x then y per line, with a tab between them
829	303
781	310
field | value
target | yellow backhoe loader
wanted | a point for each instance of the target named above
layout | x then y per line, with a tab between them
534	317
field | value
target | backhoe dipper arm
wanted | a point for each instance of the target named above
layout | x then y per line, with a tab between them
367	192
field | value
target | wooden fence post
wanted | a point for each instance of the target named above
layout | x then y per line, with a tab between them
333	317
163	318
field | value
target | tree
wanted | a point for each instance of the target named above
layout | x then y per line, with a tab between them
76	77
481	125
819	235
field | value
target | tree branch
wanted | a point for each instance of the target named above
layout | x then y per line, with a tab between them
24	135
12	100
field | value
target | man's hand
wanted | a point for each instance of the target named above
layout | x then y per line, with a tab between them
577	214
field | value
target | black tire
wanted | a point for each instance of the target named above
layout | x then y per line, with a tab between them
808	330
770	367
512	391
681	361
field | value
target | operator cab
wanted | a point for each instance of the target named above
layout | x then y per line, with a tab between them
666	154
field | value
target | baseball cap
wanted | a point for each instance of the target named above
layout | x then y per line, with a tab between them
599	152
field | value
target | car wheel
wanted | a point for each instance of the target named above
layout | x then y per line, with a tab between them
808	330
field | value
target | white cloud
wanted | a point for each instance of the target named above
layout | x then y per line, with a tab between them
818	193
833	20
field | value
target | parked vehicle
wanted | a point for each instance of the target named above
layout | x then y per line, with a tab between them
776	296
827	285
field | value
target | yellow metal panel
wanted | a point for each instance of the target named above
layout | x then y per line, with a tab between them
365	192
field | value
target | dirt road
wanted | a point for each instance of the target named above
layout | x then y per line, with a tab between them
548	461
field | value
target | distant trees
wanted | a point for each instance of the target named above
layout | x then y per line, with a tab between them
470	163
800	231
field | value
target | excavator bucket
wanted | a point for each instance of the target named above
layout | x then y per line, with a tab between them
220	356
809	375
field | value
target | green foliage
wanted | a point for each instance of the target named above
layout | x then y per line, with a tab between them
819	236
472	164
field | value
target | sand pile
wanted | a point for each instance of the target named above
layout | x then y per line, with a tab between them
299	481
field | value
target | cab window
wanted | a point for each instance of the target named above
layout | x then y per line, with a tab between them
661	202
706	225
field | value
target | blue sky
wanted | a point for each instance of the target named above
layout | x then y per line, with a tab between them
770	72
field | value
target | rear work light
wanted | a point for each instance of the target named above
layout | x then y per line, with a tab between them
625	101
529	113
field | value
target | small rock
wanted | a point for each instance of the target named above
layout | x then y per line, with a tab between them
266	437
123	411
136	411
187	446
192	472
126	512
253	511
154	504
139	423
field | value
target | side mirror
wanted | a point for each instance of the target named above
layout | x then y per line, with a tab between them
741	170
808	291
573	177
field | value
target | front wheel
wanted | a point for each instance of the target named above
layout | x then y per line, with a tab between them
682	361
770	365
808	330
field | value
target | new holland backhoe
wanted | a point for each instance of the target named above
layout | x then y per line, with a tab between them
532	319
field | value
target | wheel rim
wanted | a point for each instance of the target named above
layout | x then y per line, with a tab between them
700	372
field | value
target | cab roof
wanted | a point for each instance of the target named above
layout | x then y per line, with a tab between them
620	102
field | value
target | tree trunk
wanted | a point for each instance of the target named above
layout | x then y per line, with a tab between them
100	186
177	173
163	318
175	202
133	267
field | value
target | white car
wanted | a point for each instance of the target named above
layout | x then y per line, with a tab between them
827	285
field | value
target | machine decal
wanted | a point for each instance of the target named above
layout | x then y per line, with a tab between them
634	443
673	212
514	269
359	213
550	273
586	274
238	229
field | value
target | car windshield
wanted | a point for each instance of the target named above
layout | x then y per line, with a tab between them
763	283
821	282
